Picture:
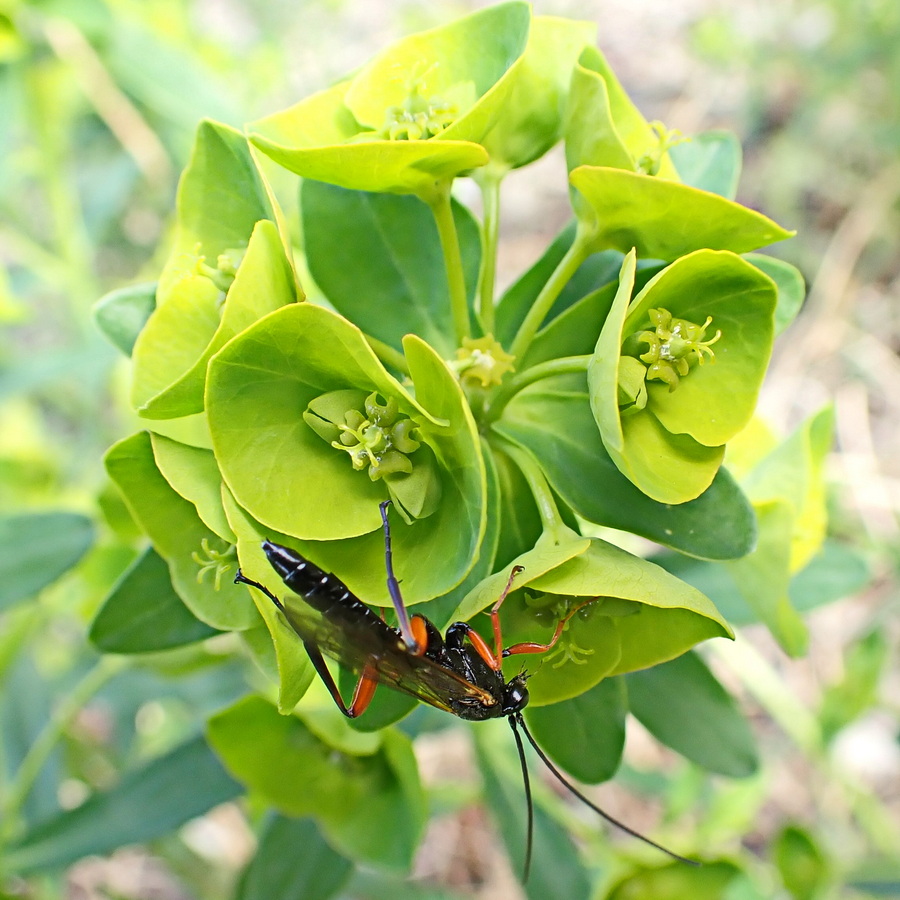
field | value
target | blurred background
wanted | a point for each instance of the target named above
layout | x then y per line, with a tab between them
99	100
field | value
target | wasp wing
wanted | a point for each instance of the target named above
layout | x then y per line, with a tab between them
359	639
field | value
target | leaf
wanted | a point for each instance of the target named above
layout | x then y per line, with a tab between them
194	474
857	691
177	533
351	797
531	119
835	572
276	649
121	314
719	524
144	614
556	870
634	211
684	707
791	287
763	577
378	260
169	791
586	734
38	548
676	881
27	701
172	352
710	161
293	862
803	866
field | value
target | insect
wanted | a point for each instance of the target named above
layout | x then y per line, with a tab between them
458	672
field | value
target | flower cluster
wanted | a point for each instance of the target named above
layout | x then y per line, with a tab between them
285	393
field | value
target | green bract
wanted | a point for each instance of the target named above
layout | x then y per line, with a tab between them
666	394
312	433
413	116
591	403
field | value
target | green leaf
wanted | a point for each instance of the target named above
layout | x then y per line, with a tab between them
144	614
402	286
279	653
791	287
351	797
719	524
121	314
531	119
293	482
710	161
172	352
194	474
556	869
857	691
676	881
835	572
293	862
803	866
27	703
38	548
763	577
792	472
586	734
169	791
635	211
684	707
177	533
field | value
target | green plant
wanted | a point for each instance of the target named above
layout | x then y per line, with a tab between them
290	379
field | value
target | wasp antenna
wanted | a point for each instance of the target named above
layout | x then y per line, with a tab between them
529	829
520	721
240	578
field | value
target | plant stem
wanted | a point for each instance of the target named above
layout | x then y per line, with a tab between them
562	366
39	752
441	209
581	248
543	497
388	355
490	238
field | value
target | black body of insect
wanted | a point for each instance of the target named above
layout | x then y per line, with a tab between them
458	672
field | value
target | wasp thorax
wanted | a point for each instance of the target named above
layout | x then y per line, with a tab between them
371	430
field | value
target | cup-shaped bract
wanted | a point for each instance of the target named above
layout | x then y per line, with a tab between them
413	116
676	372
228	267
311	433
626	613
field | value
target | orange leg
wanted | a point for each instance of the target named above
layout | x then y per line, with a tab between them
532	647
362	693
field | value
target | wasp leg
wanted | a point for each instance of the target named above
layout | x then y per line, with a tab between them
533	647
362	693
495	614
393	585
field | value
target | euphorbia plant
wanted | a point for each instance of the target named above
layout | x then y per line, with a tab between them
293	375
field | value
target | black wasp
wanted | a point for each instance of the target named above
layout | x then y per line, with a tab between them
458	672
